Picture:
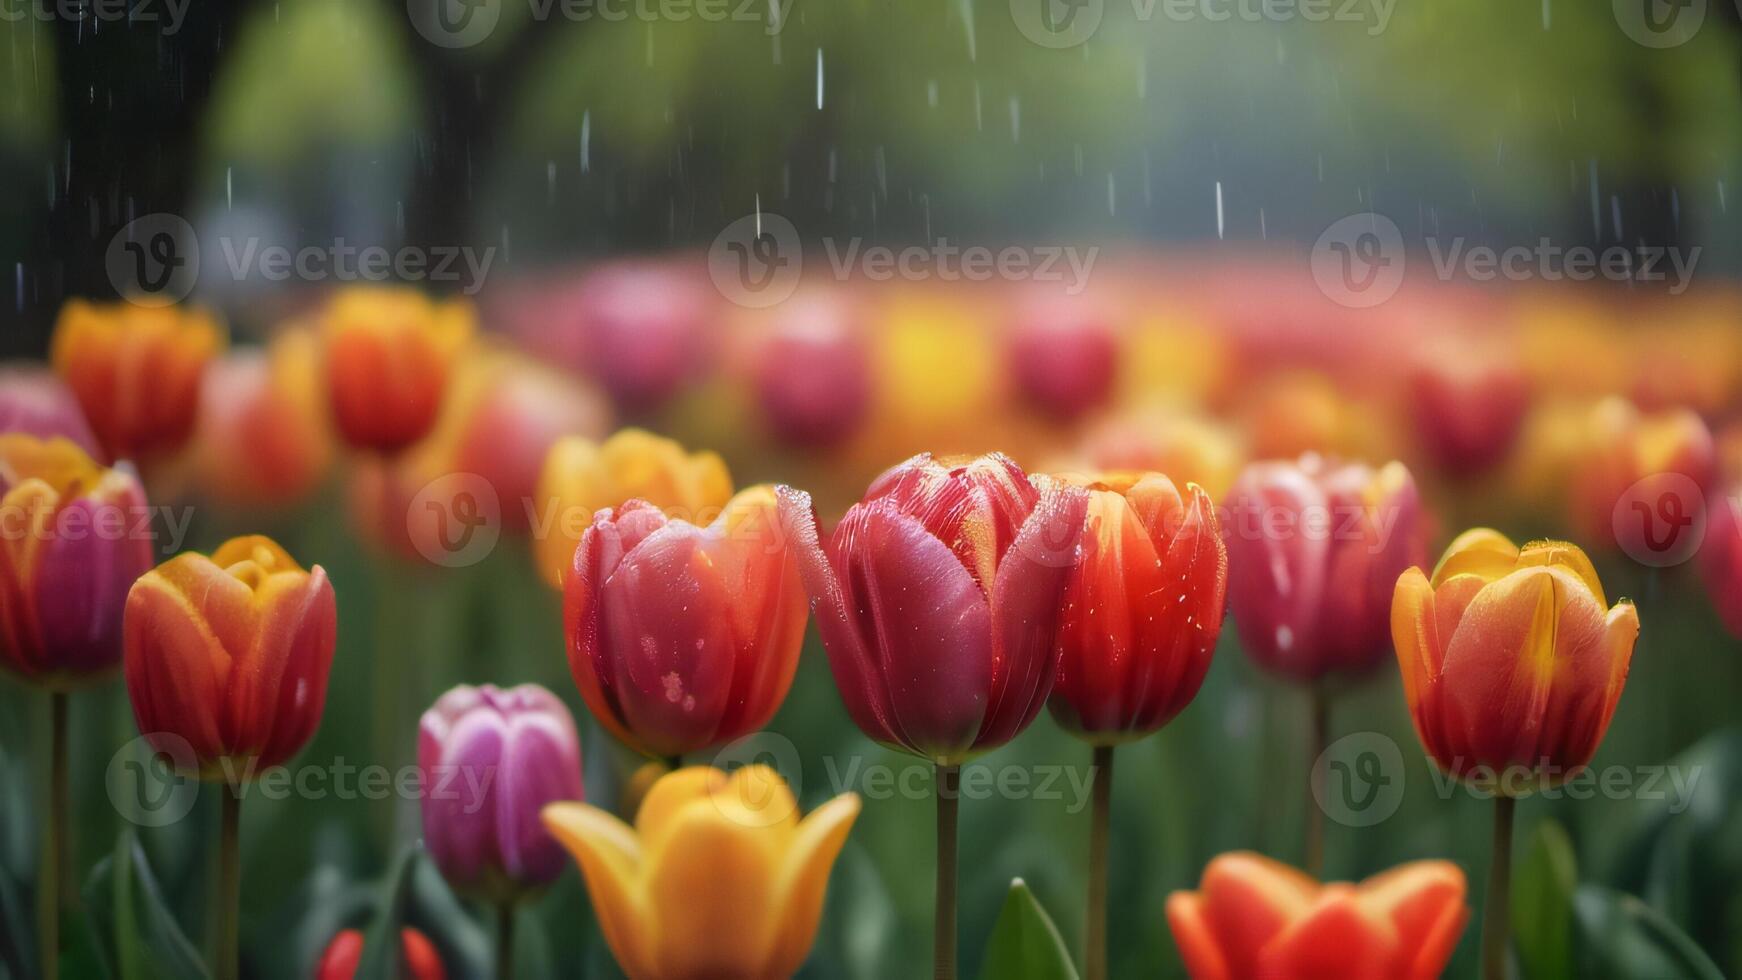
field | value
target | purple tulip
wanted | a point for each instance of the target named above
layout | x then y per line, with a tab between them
490	760
35	402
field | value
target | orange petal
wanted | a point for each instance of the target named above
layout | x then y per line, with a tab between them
1198	946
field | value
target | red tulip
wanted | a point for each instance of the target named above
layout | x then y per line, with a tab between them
813	374
1315	548
345	954
390	355
939	598
71	544
1721	557
683	637
1257	919
1063	358
1143	608
1468	405
1661	462
230	655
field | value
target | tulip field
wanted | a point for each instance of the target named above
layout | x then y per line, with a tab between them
885	632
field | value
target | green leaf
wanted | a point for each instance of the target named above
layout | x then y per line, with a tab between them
1542	904
381	947
137	935
1025	944
1622	937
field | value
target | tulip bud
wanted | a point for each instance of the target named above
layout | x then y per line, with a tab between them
643	329
1142	611
581	477
136	371
1252	918
345	953
1468	405
390	353
1315	547
227	657
1063	358
813	377
1660	462
683	637
1512	660
490	760
71	544
263	438
35	402
718	877
939	600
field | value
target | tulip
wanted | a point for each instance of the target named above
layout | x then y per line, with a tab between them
1316	546
682	637
812	375
581	477
1142	613
719	877
939	601
390	354
419	959
1253	918
644	329
1063	358
1721	558
35	402
74	540
135	371
1468	404
70	546
1512	664
262	439
1203	451
1639	479
490	760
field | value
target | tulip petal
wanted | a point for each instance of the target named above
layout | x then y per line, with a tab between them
1196	940
1026	610
1248	900
175	667
1589	677
1336	940
804	876
1481	551
537	768
1188	621
278	685
611	862
1424	900
712	878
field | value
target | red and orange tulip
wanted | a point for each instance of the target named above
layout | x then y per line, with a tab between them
136	371
72	540
683	637
1512	659
345	953
1143	608
390	355
230	655
1632	457
1253	918
263	438
939	598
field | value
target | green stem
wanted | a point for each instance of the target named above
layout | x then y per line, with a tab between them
1315	812
1496	916
673	763
505	941
229	894
387	683
944	918
1095	938
51	874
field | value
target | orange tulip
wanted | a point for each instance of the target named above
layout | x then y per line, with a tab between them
135	371
1512	659
390	353
1659	462
227	657
263	438
718	879
1253	918
581	477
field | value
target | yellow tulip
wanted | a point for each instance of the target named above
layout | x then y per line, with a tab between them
718	879
581	476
